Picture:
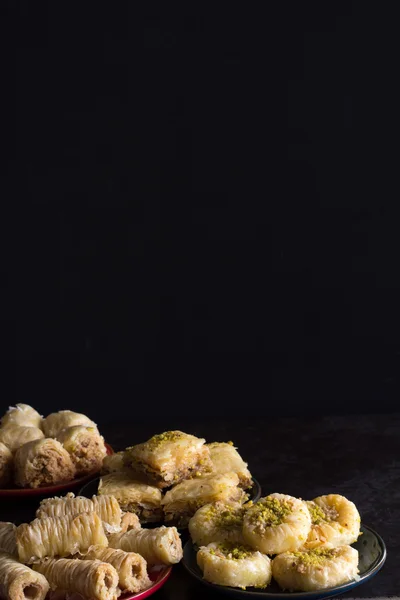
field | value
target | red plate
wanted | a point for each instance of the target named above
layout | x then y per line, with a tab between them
52	489
158	576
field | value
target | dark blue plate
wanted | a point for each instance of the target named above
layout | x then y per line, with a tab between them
372	555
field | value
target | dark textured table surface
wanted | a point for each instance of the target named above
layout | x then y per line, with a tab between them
357	456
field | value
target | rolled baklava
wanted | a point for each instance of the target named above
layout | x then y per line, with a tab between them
133	496
18	582
6	465
226	459
59	536
106	507
53	424
8	542
168	458
161	545
89	578
42	463
130	566
85	446
15	436
22	414
181	502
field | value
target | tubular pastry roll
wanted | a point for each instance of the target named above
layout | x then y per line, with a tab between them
181	502
42	463
22	414
8	542
85	446
161	545
53	424
315	569
106	507
168	458
6	465
226	459
59	536
335	521
18	582
131	567
277	523
234	566
133	496
217	522
15	436
90	578
129	521
113	463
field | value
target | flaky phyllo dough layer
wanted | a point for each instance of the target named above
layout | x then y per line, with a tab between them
133	496
161	545
168	458
106	507
42	463
59	536
90	578
18	582
8	542
181	502
130	566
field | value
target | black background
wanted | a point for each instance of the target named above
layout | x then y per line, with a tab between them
206	210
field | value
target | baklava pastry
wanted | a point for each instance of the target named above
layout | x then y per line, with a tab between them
42	463
15	436
53	424
6	465
85	446
315	569
8	542
90	578
234	566
217	522
335	521
113	463
161	545
277	523
181	502
129	521
59	536
168	458
226	459
22	414
18	582
130	566
106	507
133	496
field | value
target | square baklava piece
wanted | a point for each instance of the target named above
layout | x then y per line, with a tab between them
169	458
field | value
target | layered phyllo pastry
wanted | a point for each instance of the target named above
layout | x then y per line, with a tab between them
169	458
182	501
133	496
226	459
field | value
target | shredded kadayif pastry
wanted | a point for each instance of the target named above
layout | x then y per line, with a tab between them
42	463
161	545
130	566
85	446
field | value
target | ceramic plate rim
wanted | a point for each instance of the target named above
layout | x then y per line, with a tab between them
13	492
151	590
329	592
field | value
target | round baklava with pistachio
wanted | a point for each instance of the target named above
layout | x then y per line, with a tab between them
217	522
335	521
277	523
234	565
315	569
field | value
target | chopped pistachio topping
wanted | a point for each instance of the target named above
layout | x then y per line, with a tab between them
167	436
232	552
315	557
270	512
316	513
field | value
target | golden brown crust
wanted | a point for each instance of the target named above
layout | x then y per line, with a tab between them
85	446
18	582
59	536
161	545
130	566
42	463
90	578
106	507
8	542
